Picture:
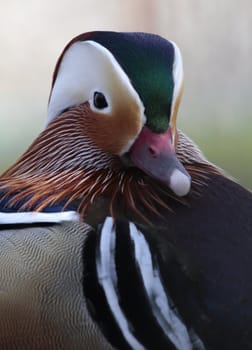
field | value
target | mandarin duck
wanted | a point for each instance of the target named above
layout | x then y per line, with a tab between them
116	232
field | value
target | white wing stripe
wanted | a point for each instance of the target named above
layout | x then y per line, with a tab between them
166	317
31	217
107	278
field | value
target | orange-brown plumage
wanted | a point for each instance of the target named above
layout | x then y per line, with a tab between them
65	164
85	152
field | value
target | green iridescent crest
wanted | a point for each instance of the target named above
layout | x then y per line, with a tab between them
148	61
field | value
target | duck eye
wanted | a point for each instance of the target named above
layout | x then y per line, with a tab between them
100	101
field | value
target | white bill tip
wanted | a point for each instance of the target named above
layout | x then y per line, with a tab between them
180	183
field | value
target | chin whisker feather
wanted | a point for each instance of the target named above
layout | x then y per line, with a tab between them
80	172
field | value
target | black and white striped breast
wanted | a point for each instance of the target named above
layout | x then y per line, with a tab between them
126	294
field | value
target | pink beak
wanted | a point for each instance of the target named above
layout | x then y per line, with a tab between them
155	155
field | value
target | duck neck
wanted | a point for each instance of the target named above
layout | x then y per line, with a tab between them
64	166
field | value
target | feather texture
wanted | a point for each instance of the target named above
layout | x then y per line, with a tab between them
63	165
41	298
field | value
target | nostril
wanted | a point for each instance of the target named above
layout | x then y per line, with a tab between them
153	151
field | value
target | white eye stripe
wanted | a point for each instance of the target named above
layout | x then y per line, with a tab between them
85	67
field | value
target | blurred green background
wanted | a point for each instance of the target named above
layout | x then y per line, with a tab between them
215	40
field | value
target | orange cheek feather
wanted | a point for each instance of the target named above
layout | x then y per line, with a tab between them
114	132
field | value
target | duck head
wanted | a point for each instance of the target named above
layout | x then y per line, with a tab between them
132	85
111	129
